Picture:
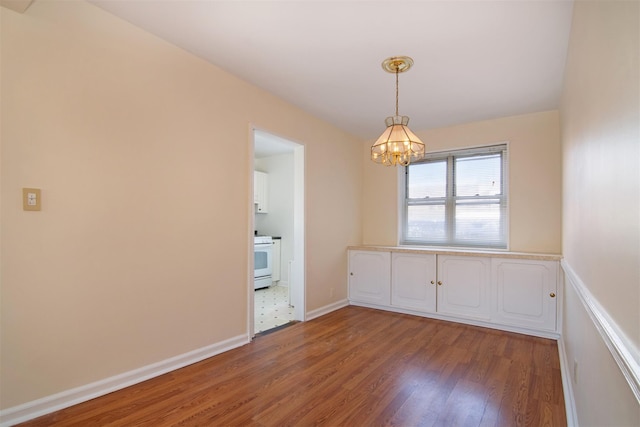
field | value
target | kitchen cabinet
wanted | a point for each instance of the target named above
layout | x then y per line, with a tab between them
413	281
276	257
463	286
525	292
261	191
370	277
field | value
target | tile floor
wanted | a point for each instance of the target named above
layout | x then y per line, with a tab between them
272	308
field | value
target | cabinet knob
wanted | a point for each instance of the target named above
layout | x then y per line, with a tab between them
351	273
433	283
552	295
439	283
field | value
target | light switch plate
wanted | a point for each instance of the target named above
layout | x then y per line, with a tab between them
31	200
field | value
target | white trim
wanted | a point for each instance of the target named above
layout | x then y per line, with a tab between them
327	309
620	347
569	400
506	170
298	273
55	402
402	216
250	233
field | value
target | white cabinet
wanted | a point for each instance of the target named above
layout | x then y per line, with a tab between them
275	257
525	292
511	293
413	281
260	191
463	286
370	277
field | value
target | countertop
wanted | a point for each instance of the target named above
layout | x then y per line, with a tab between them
458	252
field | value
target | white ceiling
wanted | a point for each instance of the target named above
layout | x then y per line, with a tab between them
474	59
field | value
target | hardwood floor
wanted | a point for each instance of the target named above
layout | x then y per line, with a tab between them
353	367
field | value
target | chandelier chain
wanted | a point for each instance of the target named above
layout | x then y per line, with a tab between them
396	91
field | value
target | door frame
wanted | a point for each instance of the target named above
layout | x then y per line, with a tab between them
297	279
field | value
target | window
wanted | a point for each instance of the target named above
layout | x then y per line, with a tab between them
457	198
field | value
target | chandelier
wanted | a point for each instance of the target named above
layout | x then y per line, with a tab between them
397	145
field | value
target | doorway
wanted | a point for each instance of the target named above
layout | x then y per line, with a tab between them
278	213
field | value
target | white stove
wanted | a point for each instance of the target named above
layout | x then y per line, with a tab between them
262	261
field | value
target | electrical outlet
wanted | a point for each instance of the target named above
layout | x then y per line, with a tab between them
575	371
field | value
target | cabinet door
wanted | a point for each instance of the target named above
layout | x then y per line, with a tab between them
413	279
370	277
260	191
463	286
525	292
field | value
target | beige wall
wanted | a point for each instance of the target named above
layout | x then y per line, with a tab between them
534	179
601	210
141	250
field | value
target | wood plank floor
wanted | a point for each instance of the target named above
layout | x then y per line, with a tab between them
353	367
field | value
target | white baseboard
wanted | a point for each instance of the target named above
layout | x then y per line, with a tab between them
567	388
326	309
45	405
620	347
485	324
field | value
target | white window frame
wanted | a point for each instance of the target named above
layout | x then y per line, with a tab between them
450	213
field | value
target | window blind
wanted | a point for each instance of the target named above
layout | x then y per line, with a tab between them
458	198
